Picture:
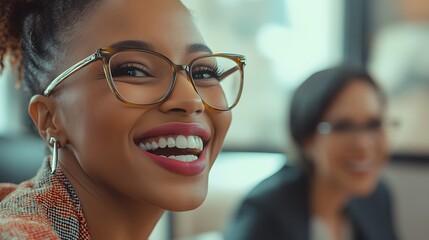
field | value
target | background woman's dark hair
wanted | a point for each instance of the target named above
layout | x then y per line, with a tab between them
311	100
34	33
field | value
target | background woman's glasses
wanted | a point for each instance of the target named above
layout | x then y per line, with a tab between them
349	129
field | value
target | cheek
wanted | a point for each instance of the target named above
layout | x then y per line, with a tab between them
97	127
382	148
220	124
328	156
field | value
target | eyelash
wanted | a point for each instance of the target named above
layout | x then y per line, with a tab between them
212	70
122	68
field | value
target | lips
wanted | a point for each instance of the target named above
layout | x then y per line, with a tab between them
361	166
177	147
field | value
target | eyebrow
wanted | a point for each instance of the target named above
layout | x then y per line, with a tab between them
192	48
198	47
132	44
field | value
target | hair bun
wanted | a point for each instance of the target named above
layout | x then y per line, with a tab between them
12	16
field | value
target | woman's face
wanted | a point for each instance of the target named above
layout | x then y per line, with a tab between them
351	156
104	135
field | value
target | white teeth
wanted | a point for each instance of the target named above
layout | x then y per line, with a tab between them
143	146
182	142
191	142
171	142
181	158
162	142
361	167
200	143
154	145
184	158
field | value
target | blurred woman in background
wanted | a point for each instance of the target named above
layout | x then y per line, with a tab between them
337	121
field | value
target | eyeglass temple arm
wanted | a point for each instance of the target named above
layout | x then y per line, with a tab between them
228	72
70	71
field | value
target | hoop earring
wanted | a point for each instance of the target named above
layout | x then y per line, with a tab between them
55	144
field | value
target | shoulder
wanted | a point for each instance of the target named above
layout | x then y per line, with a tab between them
47	204
382	192
275	209
18	199
285	186
6	189
372	215
21	210
380	197
378	205
282	196
18	228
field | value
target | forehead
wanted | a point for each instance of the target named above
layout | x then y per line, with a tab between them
358	100
165	24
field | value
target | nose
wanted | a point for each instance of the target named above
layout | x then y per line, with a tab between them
365	140
183	99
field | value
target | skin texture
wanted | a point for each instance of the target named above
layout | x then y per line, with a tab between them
120	188
333	181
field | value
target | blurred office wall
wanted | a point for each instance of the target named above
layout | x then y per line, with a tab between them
399	58
284	42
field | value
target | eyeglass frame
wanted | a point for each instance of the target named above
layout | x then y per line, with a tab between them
327	128
105	55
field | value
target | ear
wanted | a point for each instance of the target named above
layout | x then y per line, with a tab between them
42	111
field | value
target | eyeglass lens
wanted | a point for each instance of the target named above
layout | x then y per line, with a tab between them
347	127
145	78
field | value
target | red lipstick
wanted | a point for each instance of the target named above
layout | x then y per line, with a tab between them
187	168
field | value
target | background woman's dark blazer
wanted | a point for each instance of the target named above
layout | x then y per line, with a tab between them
278	208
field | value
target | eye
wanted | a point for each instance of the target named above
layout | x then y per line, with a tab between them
206	72
343	126
374	124
130	70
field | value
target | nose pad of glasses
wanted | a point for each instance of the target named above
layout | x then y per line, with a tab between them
184	67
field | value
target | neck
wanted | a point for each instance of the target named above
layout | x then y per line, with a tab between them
327	203
109	214
327	198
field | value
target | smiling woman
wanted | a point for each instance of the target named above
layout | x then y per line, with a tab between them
337	121
134	117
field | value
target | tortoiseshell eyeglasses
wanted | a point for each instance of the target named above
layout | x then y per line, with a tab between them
143	77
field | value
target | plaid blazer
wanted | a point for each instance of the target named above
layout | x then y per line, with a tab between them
44	207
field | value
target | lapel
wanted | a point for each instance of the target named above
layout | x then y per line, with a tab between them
296	202
368	219
359	220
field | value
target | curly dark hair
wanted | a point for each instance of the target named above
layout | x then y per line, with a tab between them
32	33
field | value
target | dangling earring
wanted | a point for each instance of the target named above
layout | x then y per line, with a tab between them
55	144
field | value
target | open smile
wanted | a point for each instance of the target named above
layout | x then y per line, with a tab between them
177	147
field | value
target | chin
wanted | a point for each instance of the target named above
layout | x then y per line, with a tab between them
363	189
185	203
182	196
